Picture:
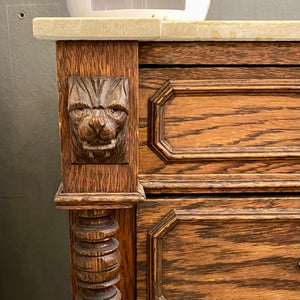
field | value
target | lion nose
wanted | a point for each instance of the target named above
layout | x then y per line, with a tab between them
97	121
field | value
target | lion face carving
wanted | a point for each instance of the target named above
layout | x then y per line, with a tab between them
98	110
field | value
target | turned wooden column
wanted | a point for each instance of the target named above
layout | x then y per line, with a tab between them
96	258
98	114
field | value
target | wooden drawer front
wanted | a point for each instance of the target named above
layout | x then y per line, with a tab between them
241	254
199	120
211	256
220	121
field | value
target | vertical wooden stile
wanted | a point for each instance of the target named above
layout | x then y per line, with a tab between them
101	59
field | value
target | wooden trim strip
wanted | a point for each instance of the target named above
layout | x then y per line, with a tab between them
219	53
80	201
220	183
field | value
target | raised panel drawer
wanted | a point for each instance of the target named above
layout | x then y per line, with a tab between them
194	251
196	123
199	120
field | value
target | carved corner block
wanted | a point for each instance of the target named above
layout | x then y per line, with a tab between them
98	109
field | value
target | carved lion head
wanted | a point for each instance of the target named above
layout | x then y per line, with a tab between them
98	110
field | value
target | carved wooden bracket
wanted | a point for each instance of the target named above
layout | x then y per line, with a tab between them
98	109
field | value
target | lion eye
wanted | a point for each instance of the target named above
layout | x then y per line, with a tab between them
114	110
80	110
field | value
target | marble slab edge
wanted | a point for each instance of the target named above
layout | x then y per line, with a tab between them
231	31
152	29
97	29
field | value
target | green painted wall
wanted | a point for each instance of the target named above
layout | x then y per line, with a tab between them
34	255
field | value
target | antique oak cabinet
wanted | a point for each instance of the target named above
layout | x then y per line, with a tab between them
180	152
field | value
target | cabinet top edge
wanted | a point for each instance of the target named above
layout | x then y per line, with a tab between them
152	29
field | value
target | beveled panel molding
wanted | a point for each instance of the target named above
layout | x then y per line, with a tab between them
262	139
156	248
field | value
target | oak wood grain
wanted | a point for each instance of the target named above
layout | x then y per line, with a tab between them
196	120
236	257
126	236
96	258
219	53
220	183
84	201
72	220
245	246
233	247
107	59
152	79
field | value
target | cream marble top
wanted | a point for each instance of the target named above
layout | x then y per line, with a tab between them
158	30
